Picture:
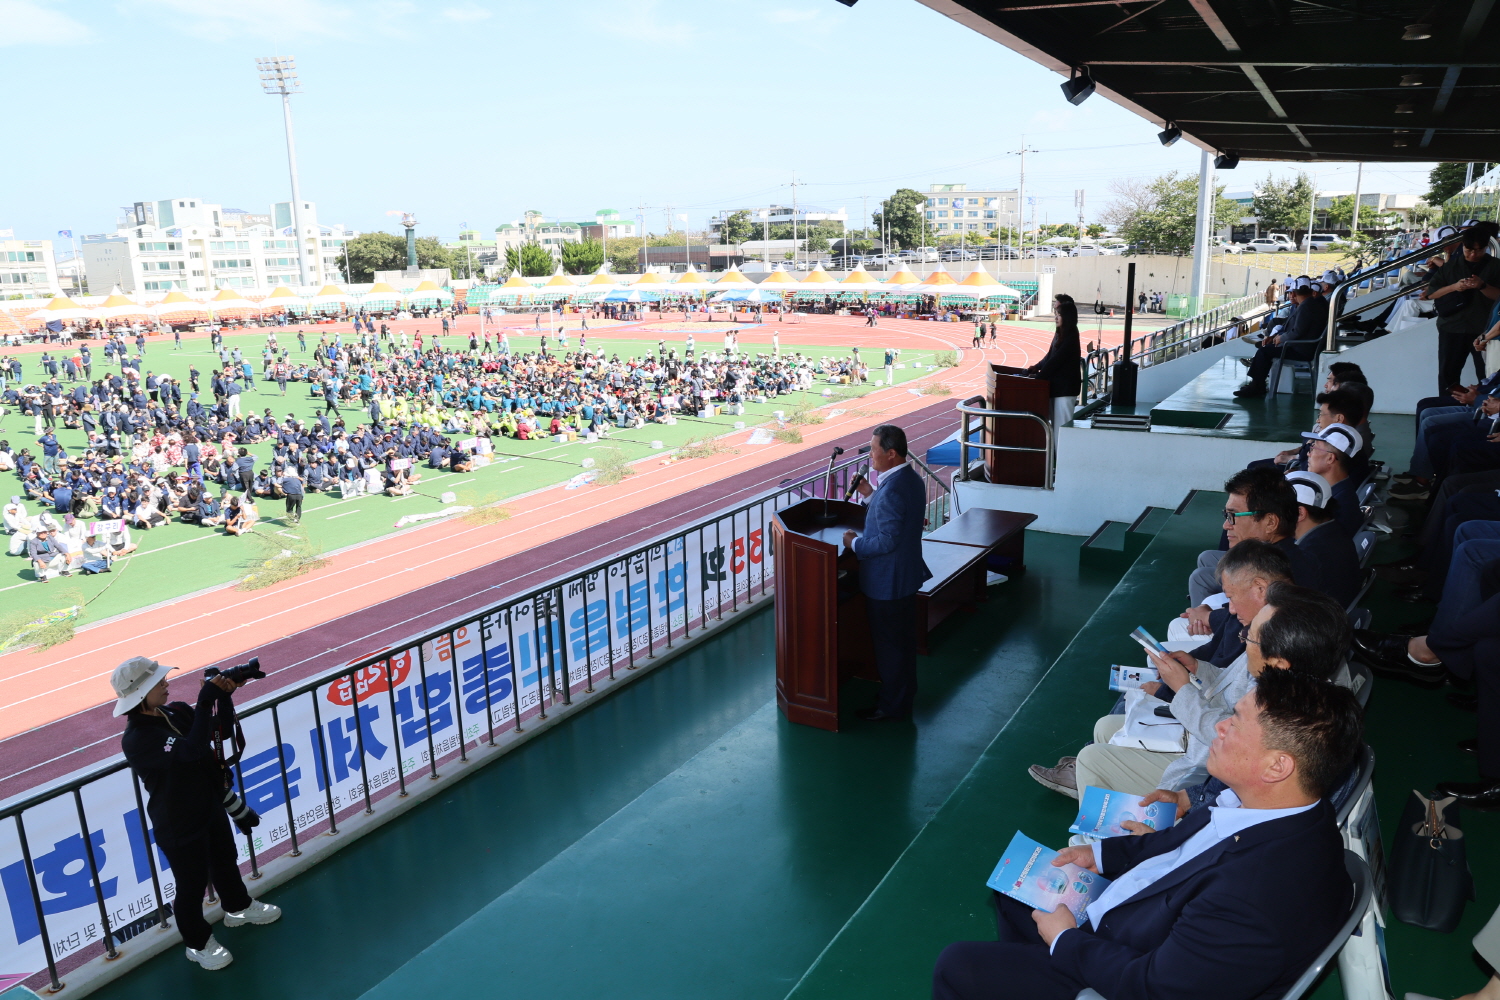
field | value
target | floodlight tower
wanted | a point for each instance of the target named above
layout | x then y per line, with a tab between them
278	76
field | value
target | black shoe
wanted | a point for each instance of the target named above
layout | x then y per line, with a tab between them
1414	594
1251	389
1483	794
874	715
1386	656
1470	745
1405	572
1464	701
1415	490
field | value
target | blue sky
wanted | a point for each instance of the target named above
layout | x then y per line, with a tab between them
475	110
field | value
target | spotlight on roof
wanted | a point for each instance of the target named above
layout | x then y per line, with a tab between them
1078	87
1169	135
1411	80
1226	161
1406	108
1402	138
1417	33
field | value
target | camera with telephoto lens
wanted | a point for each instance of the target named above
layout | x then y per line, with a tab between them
240	674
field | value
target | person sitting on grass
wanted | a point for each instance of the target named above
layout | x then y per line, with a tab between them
240	516
147	515
47	557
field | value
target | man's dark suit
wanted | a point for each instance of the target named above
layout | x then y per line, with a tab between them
1241	921
891	571
1331	565
1307	322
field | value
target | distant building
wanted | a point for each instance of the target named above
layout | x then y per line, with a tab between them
483	253
534	228
1371	205
954	208
191	245
608	224
28	270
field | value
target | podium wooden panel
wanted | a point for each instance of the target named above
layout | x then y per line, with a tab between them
816	632
1016	389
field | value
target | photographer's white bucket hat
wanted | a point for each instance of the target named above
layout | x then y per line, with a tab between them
133	680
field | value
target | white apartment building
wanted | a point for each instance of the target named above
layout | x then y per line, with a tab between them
28	269
534	228
191	245
953	208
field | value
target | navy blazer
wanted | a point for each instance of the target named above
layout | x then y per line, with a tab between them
1241	921
890	548
1331	565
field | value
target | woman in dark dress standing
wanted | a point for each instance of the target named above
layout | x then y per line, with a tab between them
1062	367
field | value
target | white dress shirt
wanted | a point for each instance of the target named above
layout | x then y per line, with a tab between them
1227	818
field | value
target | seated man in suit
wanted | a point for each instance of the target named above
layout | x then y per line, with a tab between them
1232	903
1303	330
1328	545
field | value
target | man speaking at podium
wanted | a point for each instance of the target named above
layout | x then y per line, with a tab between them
891	570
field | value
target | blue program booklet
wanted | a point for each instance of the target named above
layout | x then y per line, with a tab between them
1026	874
1102	811
1123	678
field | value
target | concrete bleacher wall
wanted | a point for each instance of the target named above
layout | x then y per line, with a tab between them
1114	475
1401	367
1156	382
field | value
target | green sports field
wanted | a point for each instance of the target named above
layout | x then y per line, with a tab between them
180	559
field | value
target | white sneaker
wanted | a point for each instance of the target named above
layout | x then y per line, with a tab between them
211	956
256	913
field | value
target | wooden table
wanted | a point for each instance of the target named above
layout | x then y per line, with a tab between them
958	553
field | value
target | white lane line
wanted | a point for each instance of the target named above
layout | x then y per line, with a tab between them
346	513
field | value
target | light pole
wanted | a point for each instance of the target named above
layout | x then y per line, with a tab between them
765	227
278	76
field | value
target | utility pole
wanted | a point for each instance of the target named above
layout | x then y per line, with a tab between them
645	243
1203	231
1021	194
796	251
1078	204
278	77
1359	181
765	226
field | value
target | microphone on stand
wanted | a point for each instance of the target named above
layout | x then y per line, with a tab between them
828	517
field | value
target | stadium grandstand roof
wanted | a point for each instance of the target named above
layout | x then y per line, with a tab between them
1277	79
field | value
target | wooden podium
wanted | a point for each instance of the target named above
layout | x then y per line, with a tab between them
1016	389
821	632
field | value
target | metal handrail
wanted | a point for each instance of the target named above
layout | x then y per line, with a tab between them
971	408
1162	345
540	614
1421	254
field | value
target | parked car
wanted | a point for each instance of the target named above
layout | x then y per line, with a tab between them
1044	252
1227	246
957	253
1275	243
1323	241
991	251
1087	250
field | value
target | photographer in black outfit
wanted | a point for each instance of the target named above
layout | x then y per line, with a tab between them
178	752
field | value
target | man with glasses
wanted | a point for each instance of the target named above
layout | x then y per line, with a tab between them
1261	506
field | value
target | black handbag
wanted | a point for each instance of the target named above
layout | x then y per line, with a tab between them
1429	866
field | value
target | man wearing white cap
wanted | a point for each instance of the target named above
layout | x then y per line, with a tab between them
1332	453
1325	541
169	748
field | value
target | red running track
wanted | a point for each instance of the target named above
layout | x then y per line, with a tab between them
77	741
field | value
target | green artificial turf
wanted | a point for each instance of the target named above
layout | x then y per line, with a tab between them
179	559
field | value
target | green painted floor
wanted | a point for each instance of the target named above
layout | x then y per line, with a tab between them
936	894
179	559
1207	406
678	839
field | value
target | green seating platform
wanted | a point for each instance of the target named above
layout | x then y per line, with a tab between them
681	839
